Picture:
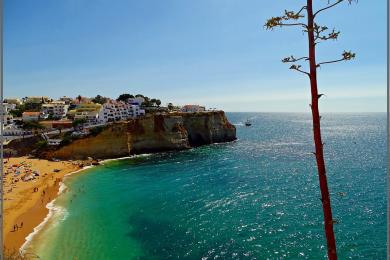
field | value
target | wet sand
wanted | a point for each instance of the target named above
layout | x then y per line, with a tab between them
26	195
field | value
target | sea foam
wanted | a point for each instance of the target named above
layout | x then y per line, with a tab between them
55	211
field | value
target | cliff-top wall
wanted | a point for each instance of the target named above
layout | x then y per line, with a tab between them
153	133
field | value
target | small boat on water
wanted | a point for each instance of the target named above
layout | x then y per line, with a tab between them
248	123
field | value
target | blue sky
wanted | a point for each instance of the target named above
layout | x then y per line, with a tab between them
211	52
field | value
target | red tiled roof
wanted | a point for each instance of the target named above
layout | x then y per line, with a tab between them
31	113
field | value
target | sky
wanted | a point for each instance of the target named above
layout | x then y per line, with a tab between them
215	53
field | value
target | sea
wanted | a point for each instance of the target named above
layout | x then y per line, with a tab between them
255	198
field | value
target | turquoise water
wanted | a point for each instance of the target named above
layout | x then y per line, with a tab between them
255	198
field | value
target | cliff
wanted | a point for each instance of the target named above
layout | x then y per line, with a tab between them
153	133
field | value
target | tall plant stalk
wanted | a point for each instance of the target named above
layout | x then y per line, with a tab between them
315	34
319	151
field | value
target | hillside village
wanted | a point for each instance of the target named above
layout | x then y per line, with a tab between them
74	117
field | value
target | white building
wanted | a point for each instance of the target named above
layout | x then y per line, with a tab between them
13	130
30	116
36	99
118	110
67	100
136	101
7	117
192	108
57	109
15	101
135	111
89	116
54	141
9	106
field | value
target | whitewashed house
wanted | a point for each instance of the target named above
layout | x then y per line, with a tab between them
30	116
36	99
89	116
136	101
118	110
192	108
57	109
135	111
67	100
5	113
13	130
14	101
54	141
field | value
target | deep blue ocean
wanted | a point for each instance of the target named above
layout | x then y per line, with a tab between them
255	198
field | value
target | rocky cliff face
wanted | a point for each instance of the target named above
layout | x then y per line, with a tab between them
154	133
208	128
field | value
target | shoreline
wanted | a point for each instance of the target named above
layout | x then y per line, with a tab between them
14	243
51	209
26	198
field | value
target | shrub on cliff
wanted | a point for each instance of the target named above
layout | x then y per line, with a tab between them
67	140
41	144
96	130
78	122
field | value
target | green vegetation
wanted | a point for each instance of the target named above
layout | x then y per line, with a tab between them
96	130
32	106
149	102
78	122
67	140
41	144
146	103
124	97
32	125
99	99
18	111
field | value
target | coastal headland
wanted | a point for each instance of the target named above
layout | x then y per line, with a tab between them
30	183
152	133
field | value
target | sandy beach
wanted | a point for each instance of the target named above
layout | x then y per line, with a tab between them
29	184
